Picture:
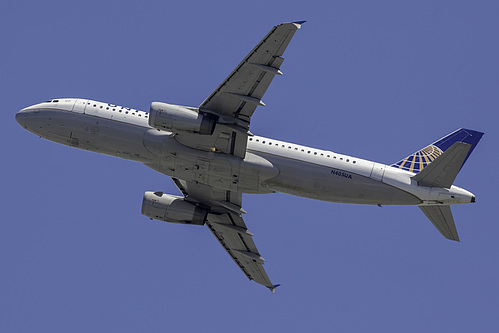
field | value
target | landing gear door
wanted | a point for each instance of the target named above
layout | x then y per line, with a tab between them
79	106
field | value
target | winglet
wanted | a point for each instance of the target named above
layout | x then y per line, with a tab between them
299	22
273	288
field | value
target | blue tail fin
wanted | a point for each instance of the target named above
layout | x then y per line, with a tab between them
420	159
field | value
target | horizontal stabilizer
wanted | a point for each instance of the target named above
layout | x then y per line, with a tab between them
441	217
443	170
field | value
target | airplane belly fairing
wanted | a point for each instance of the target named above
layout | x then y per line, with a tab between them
219	170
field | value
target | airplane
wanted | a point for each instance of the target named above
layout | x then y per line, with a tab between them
213	158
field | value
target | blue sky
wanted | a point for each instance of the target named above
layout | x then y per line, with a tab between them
372	79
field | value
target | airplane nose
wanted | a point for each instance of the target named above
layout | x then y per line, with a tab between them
21	118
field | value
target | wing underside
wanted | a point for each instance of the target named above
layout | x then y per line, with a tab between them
234	101
230	230
242	91
232	104
228	227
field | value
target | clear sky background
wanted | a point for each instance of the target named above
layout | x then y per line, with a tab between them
372	79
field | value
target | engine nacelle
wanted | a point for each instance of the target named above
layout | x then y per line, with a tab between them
176	118
171	208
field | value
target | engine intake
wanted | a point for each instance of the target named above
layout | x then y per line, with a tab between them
176	118
171	208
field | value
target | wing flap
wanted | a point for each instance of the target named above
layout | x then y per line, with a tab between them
226	139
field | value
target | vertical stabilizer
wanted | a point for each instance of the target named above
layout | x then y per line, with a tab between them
420	159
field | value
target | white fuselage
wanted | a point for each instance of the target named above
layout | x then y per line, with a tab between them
269	166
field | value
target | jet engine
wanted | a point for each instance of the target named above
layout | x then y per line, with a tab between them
176	118
171	208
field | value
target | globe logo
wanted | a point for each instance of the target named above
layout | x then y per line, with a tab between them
420	159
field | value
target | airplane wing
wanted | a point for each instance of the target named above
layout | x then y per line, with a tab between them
242	91
236	98
232	104
228	227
